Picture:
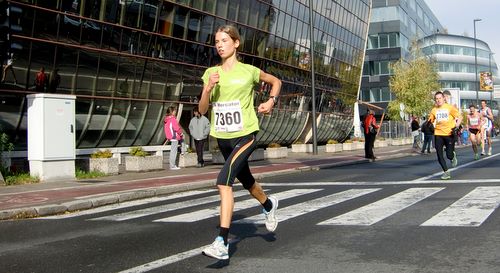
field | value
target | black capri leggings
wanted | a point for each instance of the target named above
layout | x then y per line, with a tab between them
449	143
236	152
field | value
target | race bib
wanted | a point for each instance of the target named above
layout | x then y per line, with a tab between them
474	121
228	116
442	115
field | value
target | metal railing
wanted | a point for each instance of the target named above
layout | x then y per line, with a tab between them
395	129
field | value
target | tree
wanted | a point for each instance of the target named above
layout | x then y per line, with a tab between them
413	83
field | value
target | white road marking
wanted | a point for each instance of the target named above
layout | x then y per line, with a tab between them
165	208
469	211
310	206
380	183
165	261
238	206
127	204
458	167
375	212
171	259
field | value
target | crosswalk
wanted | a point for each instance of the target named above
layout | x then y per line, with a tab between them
470	210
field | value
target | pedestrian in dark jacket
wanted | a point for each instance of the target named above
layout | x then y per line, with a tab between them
428	130
415	132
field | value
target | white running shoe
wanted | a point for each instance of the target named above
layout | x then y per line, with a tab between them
454	161
217	249
446	175
271	221
175	168
489	151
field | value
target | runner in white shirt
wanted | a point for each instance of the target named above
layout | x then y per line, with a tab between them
474	126
487	126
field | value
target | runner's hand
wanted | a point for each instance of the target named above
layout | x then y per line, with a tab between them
266	107
213	79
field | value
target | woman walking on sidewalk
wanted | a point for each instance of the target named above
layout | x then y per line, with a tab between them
229	86
173	133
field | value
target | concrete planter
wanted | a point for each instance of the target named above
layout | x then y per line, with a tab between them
258	154
347	146
188	160
397	142
302	148
217	157
104	165
276	152
380	143
143	163
333	148
358	145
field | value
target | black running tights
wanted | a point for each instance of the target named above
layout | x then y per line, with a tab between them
449	143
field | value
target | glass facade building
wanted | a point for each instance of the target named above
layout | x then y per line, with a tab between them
126	61
393	27
455	58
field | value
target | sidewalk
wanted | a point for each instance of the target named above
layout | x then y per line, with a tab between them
48	198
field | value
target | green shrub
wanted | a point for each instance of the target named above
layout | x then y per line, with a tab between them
81	174
332	141
20	178
138	151
5	146
102	154
273	145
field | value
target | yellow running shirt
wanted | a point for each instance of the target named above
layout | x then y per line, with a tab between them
444	117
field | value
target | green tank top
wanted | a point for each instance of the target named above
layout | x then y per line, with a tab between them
233	112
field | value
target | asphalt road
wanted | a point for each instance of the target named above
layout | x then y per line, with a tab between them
387	216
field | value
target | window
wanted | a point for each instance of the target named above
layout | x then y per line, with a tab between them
384	40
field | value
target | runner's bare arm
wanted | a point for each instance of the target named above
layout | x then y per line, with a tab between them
205	94
267	106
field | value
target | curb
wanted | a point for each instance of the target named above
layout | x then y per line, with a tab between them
105	199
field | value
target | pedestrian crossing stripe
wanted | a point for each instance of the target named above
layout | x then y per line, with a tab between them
375	212
469	211
129	204
310	206
238	206
165	208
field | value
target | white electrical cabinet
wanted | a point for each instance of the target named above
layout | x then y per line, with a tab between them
51	136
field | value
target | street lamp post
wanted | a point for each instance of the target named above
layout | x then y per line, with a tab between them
313	86
491	75
476	83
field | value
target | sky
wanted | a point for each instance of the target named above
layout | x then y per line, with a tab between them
457	16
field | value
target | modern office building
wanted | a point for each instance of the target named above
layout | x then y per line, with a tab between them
456	60
126	61
393	27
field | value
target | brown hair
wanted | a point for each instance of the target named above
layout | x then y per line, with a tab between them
234	34
230	30
170	110
438	93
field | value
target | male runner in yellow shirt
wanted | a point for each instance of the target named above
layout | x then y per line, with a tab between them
447	119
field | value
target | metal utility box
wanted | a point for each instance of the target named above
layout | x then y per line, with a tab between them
51	136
